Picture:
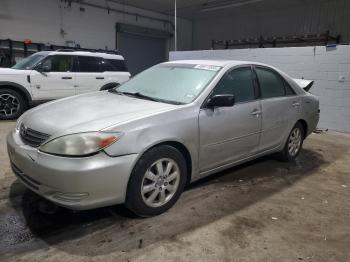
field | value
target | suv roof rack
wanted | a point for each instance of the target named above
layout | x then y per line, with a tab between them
10	50
112	52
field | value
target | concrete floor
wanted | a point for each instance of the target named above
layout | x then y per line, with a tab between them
262	211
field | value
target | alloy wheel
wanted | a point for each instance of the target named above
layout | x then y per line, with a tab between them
294	143
160	182
9	105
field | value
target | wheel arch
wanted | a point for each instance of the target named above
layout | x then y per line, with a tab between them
182	149
16	87
305	127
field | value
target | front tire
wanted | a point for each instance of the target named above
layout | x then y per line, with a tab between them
157	181
293	144
12	104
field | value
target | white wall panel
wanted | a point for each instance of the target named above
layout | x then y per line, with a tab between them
42	20
315	63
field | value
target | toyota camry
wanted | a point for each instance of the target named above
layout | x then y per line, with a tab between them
140	143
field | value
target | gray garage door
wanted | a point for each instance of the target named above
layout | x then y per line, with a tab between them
141	47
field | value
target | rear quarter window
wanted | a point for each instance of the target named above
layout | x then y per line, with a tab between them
271	84
289	89
117	65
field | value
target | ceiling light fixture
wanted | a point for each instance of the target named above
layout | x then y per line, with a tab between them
212	7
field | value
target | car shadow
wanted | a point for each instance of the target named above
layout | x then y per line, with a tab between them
113	229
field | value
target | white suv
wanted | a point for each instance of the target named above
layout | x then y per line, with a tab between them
49	75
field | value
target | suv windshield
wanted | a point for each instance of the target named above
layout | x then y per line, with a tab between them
29	62
171	83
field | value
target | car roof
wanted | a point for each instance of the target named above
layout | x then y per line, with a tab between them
83	53
222	63
232	63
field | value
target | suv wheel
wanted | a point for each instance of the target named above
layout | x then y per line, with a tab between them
12	104
157	181
293	144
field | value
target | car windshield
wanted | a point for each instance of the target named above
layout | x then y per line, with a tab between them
171	83
29	62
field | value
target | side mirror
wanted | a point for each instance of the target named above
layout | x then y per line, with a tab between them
224	100
45	69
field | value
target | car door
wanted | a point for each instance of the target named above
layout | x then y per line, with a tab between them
89	75
228	134
53	78
280	108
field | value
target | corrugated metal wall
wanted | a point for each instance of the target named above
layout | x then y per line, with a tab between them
275	18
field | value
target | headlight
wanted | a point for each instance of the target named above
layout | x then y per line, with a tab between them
82	144
19	122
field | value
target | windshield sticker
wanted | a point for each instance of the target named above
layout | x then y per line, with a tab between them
189	96
208	67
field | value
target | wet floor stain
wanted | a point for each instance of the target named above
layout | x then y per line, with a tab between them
24	227
23	221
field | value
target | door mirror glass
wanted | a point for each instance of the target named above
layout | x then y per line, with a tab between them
223	100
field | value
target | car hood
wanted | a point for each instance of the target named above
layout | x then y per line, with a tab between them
89	112
10	71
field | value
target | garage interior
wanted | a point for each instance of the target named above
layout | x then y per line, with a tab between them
264	210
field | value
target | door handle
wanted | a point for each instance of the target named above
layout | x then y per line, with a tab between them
295	104
66	77
256	113
100	77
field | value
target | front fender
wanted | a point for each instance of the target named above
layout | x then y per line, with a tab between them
14	86
180	126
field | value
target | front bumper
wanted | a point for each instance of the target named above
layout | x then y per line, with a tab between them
75	183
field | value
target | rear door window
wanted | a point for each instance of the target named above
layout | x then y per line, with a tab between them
118	65
88	64
105	65
271	84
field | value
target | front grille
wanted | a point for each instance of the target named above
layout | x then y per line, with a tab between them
32	137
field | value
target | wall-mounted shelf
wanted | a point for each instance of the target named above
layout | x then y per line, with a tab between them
281	41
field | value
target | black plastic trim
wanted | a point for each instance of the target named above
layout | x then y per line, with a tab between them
15	85
109	86
308	87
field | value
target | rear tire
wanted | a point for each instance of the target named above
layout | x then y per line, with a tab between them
293	144
157	181
12	104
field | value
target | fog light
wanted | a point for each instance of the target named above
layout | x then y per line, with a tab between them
70	197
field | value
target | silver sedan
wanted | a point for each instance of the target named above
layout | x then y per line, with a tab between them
142	142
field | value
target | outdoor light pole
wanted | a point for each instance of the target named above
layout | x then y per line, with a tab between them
175	27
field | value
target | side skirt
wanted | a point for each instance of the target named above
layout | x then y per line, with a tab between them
238	162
